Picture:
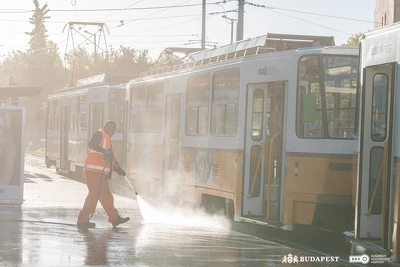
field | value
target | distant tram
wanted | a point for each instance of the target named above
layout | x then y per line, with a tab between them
378	187
262	129
75	113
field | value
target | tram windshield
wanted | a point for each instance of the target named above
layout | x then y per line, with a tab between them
116	109
327	96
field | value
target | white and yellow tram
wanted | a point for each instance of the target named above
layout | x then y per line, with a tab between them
262	128
378	187
75	113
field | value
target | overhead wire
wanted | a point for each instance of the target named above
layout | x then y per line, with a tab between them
152	14
169	25
108	21
313	23
16	12
138	2
308	13
118	9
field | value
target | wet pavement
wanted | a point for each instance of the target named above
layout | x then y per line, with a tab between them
43	232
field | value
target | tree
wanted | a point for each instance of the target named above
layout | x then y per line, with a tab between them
14	65
353	40
42	67
38	33
124	60
37	43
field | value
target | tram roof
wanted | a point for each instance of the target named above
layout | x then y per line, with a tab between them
97	81
20	91
80	90
199	65
383	29
381	46
270	42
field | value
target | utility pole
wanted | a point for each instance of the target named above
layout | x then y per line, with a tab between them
232	23
239	35
203	34
95	48
97	43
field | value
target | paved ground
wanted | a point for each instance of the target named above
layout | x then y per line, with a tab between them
164	236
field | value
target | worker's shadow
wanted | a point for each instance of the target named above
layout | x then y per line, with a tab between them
96	246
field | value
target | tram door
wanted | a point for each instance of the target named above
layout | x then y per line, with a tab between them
376	158
96	117
172	145
263	150
64	140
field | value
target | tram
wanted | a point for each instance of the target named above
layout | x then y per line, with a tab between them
262	129
75	113
378	184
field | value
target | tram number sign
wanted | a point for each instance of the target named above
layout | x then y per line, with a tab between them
263	71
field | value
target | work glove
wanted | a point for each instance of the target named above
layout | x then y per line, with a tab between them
120	171
108	155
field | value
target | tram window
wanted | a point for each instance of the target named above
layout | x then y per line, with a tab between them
225	96
309	105
255	154
174	128
51	117
73	113
82	114
97	116
258	112
340	84
116	108
376	157
137	110
197	104
154	106
57	110
379	107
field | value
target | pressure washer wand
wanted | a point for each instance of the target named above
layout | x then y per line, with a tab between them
116	163
130	185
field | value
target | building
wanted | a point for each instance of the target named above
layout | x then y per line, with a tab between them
386	12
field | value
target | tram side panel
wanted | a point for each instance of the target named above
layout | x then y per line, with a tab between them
211	172
319	151
144	162
317	190
144	152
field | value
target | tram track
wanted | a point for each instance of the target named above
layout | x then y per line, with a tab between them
326	244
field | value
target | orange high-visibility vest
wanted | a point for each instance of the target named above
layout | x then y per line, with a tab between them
95	161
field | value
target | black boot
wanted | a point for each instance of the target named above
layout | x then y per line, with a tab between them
120	220
86	225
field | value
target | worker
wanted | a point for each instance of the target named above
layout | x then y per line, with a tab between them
99	165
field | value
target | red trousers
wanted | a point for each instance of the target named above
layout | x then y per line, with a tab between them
105	197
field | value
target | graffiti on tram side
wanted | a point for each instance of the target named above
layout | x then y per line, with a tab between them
202	169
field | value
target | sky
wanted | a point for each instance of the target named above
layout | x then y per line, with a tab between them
156	29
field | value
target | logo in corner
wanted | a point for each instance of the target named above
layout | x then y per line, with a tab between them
364	259
290	259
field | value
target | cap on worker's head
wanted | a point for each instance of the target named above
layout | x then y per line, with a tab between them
110	124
